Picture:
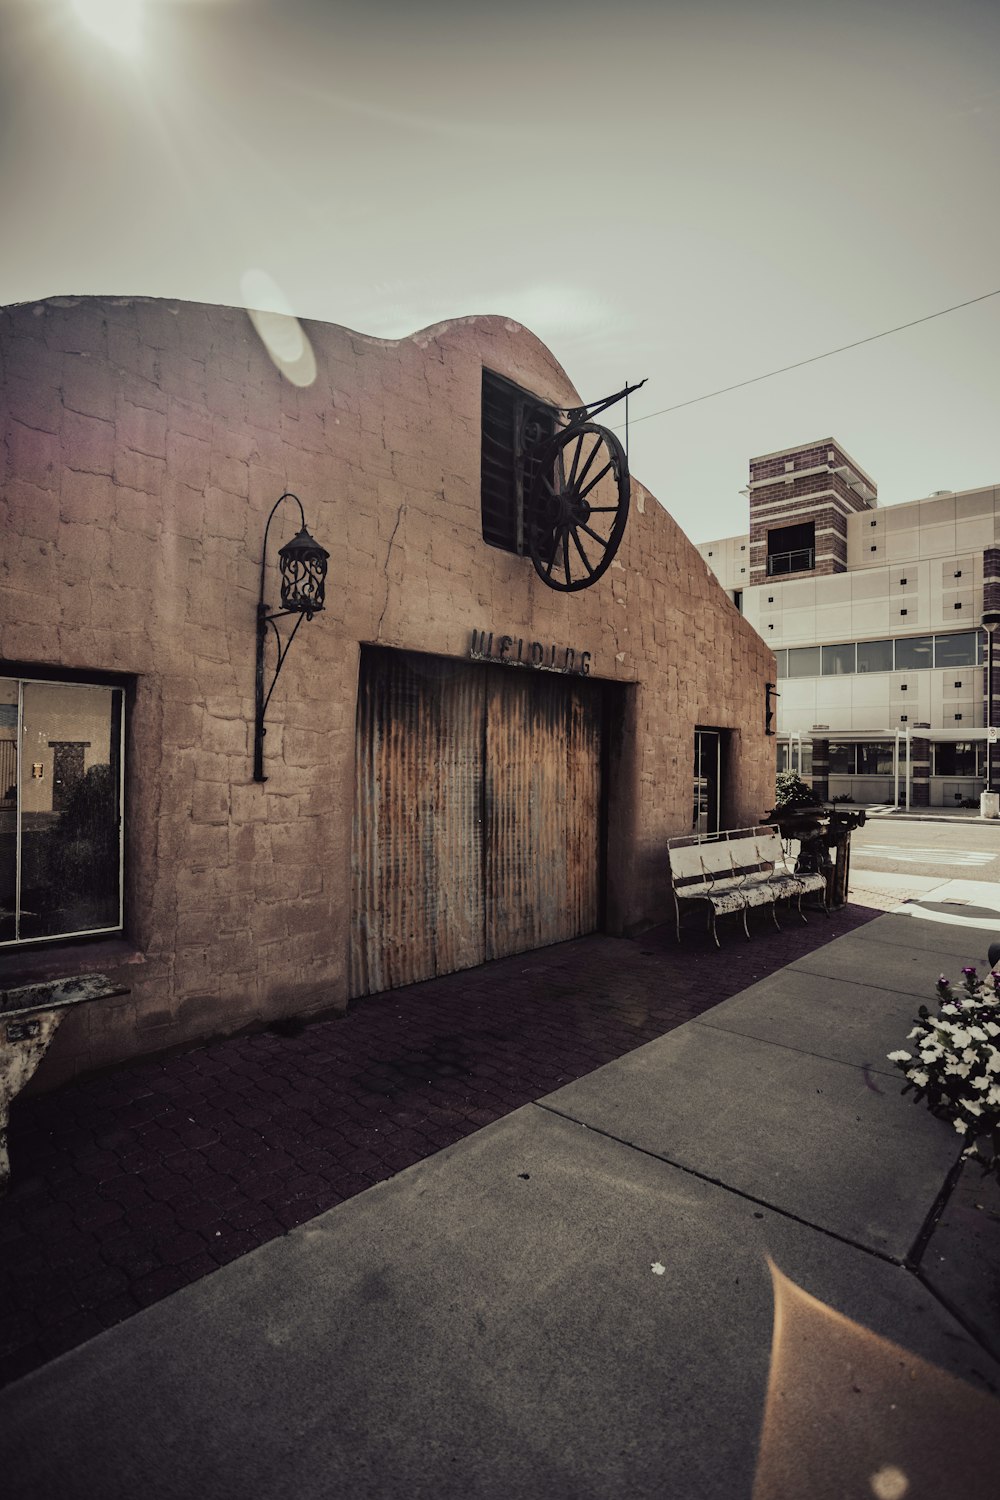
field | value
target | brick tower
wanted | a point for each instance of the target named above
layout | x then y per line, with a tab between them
800	499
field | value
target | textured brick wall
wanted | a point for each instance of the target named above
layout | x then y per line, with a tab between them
821	768
144	444
796	497
920	787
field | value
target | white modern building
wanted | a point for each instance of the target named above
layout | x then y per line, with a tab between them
874	616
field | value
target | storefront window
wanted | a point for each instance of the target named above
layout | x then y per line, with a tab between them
841	759
867	758
963	758
956	650
874	656
874	758
60	809
791	753
838	660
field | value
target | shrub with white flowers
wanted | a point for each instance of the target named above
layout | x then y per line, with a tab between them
956	1064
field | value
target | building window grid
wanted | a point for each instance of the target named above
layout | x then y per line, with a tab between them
905	653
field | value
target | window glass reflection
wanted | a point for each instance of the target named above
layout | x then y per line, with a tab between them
874	656
69	809
963	758
956	650
841	759
838	660
8	809
914	652
874	758
803	661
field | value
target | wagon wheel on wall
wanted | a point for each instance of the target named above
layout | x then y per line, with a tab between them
577	506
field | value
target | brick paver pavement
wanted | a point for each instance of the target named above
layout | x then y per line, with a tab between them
131	1184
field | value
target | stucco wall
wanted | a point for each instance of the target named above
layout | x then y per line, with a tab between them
144	443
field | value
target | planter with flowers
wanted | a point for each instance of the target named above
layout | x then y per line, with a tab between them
955	1064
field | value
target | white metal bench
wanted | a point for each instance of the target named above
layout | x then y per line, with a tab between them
736	870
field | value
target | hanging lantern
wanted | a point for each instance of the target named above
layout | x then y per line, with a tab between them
303	575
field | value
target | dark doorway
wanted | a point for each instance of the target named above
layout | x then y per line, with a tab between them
67	770
707	781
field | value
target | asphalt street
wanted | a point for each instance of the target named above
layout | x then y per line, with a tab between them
967	849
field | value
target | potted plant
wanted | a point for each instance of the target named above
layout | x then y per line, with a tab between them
955	1063
797	809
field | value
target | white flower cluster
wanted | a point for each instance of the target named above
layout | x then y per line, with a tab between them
956	1062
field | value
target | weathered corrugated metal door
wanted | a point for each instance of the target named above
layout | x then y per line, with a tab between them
542	810
417	864
477	815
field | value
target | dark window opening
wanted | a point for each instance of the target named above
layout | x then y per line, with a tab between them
963	758
513	421
866	758
791	549
709	774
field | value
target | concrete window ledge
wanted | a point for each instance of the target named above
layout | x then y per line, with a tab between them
30	1016
54	994
42	963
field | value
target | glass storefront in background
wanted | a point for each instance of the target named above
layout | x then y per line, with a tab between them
60	809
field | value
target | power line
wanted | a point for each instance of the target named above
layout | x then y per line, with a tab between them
814	358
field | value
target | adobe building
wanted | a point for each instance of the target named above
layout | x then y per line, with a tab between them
463	758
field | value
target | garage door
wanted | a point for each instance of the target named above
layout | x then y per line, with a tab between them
477	815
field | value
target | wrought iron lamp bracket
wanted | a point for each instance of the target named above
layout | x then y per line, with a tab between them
266	617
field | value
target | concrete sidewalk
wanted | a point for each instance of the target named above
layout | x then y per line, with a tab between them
578	1300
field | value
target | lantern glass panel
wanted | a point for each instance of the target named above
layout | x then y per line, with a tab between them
303	575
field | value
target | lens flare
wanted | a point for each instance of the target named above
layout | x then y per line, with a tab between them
849	1413
117	23
278	328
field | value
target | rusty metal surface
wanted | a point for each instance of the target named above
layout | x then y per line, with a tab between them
543	736
477	815
417	862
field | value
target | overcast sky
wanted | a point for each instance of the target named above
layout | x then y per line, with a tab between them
696	193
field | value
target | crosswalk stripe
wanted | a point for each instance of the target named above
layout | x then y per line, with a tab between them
908	855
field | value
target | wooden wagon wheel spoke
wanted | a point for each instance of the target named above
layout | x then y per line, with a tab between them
601	540
576	459
586	468
579	547
597	478
568	470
